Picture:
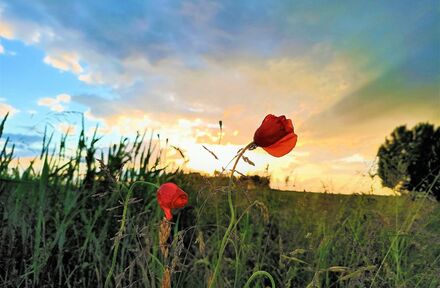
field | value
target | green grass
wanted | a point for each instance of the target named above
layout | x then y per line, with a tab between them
61	224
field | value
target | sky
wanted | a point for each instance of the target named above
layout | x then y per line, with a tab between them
346	73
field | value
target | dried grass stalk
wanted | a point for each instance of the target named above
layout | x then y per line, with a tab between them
164	234
166	278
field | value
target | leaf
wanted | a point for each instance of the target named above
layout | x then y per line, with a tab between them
298	251
294	259
338	269
241	174
212	153
247	160
357	273
179	150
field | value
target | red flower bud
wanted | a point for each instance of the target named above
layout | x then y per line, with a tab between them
170	196
276	135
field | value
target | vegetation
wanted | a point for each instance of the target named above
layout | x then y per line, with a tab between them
60	224
410	159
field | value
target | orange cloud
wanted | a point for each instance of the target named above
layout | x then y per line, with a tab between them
64	61
6	108
56	103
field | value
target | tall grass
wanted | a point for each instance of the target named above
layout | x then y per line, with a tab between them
79	220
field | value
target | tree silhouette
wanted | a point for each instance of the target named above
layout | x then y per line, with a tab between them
410	159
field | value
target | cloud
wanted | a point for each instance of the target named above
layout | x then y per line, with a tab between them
200	12
26	139
366	115
66	128
56	103
228	90
25	144
23	29
6	108
64	61
5	52
5	28
355	158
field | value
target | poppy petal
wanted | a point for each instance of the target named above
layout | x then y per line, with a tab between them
180	201
288	124
168	214
283	146
269	117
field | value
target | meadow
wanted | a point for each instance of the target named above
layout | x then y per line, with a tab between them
88	219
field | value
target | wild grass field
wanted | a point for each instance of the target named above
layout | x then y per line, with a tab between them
82	222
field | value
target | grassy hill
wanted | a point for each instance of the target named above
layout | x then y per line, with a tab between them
61	235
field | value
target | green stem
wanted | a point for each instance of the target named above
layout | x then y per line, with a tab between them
122	228
236	260
224	240
231	221
260	273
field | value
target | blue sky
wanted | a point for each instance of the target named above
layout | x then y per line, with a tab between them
346	72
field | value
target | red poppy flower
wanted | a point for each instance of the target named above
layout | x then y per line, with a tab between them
276	135
170	196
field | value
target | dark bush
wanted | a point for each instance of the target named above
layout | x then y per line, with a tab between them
410	159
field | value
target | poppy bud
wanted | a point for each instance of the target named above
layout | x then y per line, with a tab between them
170	196
276	135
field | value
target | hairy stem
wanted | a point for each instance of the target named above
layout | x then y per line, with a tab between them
231	221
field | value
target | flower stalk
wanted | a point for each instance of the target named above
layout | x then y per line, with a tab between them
231	221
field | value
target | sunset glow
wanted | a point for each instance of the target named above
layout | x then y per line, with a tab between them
346	78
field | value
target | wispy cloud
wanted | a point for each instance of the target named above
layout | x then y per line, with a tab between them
56	103
5	52
64	61
6	108
355	158
66	128
26	139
